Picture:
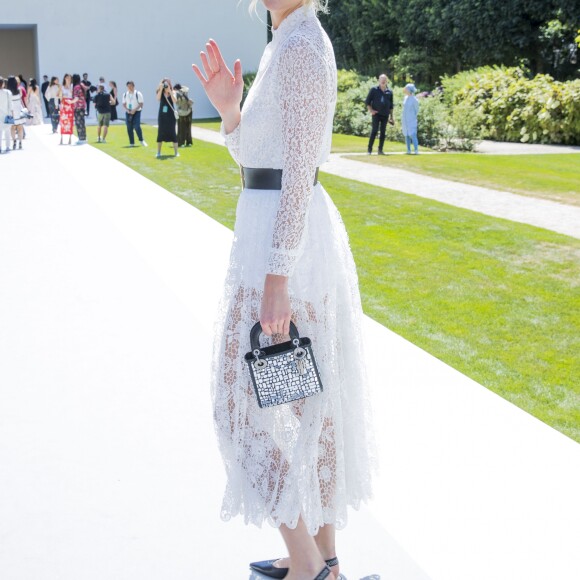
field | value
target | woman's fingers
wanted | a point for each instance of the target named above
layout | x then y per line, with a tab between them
238	72
213	60
199	74
217	52
286	327
206	65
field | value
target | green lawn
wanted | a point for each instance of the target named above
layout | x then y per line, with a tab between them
340	143
554	177
213	124
497	300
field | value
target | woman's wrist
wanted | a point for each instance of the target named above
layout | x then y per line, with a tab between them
231	119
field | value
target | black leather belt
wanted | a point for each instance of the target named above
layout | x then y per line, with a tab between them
258	178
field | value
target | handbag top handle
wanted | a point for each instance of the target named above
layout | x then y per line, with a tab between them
257	331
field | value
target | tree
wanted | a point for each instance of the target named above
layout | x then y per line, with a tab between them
425	39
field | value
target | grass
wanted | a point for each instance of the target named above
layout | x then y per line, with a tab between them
340	143
554	177
497	300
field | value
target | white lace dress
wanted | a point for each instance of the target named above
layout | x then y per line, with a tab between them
312	458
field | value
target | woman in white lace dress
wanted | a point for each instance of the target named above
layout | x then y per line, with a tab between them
298	465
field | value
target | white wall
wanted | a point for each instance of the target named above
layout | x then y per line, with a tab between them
141	40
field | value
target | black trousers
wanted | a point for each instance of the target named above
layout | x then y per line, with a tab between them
184	130
379	121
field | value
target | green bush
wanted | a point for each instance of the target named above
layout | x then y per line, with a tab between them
512	107
437	128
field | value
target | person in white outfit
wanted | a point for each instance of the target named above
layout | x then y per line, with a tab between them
17	130
34	104
5	111
296	465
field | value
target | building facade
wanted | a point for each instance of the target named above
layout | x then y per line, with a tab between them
141	41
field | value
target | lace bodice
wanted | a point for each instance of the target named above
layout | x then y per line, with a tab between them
286	124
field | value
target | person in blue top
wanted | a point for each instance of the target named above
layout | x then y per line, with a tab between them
409	117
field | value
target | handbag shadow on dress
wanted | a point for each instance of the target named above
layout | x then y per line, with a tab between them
283	372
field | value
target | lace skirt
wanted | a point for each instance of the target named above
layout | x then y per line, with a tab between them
311	458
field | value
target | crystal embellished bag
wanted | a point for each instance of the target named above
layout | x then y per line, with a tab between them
284	372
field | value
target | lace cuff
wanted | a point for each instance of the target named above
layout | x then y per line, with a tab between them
282	263
232	141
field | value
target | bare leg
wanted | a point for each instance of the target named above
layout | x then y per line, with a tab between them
305	559
326	542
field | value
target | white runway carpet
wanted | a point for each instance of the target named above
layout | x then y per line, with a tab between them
109	468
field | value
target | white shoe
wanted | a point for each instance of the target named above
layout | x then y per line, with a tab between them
177	155
158	155
104	141
98	140
144	143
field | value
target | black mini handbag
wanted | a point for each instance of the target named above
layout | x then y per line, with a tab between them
283	372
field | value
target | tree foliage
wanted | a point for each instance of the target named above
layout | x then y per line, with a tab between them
424	39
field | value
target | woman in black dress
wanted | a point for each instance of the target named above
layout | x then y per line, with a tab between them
114	100
167	116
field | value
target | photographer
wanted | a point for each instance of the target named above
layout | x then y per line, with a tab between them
102	101
167	116
133	104
185	111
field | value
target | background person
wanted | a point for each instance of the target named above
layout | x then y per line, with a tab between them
133	104
114	99
16	130
409	118
166	118
43	87
102	101
52	95
80	104
34	104
380	104
185	112
87	85
66	87
5	111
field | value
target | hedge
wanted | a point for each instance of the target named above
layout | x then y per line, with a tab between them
513	107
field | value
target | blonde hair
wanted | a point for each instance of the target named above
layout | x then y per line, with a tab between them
319	5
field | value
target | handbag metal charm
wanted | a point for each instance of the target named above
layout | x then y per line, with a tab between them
284	372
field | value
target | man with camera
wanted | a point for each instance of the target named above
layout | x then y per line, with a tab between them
133	104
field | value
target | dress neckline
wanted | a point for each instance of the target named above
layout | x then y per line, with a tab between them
291	22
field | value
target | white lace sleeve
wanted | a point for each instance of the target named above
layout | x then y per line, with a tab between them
304	103
233	142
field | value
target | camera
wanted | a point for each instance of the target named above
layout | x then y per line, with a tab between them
165	85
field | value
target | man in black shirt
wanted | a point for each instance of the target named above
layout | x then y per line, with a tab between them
380	105
87	84
43	88
102	102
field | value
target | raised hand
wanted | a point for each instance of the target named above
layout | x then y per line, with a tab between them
223	88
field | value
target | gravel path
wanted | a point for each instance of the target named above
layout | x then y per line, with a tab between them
550	215
501	148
